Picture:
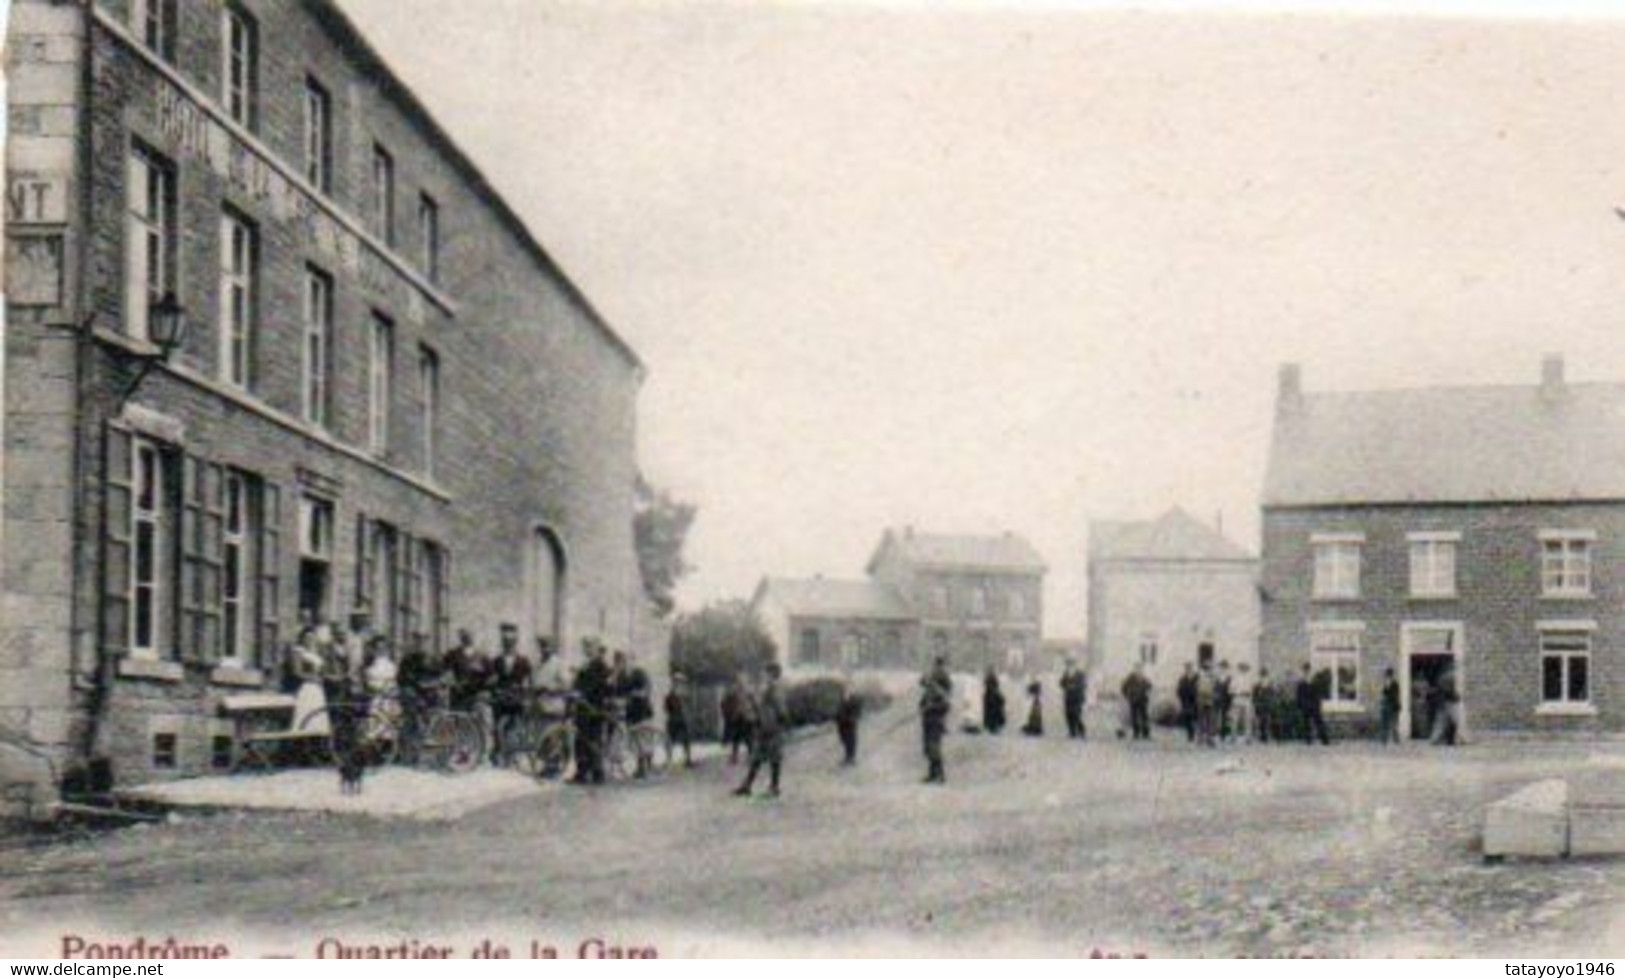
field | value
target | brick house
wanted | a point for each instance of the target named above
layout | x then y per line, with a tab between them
1479	530
976	599
1166	592
389	395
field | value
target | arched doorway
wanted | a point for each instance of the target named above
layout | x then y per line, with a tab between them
547	586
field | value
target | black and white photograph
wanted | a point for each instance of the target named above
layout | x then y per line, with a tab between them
614	479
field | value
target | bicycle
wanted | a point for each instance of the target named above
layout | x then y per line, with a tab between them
539	742
624	745
439	738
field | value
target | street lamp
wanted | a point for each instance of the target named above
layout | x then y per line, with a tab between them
166	328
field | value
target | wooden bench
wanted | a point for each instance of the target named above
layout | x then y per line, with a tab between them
265	726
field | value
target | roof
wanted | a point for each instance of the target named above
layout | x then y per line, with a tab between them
347	34
1449	445
1005	552
1175	535
821	597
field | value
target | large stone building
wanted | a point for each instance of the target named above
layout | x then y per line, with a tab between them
389	395
1479	530
1164	593
978	600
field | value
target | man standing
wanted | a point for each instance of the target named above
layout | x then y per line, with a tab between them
1207	695
632	683
1266	702
771	718
592	689
1241	699
1309	705
1224	700
677	719
1137	691
736	731
936	698
1389	732
509	679
847	715
1074	688
1186	691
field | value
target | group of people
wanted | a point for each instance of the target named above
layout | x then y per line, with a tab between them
1074	686
351	665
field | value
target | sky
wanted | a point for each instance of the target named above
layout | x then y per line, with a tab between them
992	267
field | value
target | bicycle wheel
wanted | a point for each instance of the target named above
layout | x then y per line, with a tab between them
454	742
651	742
381	734
518	743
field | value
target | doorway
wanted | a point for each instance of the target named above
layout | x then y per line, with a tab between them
1205	654
1429	652
547	587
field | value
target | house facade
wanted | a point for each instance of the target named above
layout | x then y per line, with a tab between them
976	600
1164	593
1474	531
388	397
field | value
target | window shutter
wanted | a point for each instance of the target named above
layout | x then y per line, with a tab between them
118	498
408	582
192	557
211	605
270	575
364	571
443	603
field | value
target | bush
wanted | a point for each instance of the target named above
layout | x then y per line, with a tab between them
811	702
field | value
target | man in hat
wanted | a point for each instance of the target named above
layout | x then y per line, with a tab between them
771	720
510	685
677	719
936	698
847	715
1074	690
1137	692
593	689
1185	689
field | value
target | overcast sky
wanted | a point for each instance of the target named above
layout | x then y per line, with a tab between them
1004	267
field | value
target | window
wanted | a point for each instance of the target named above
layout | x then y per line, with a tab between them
153	22
238	248
149	238
315	556
1565	563
318	136
1148	649
852	649
939	644
236	632
383	194
149	561
809	645
239	64
1565	667
1433	565
429	388
318	347
165	750
978	601
223	754
381	384
429	235
1018	605
1337	568
939	600
1335	649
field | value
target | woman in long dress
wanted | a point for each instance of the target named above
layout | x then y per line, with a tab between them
992	703
1035	714
310	701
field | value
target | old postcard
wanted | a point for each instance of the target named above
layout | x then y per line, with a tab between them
563	479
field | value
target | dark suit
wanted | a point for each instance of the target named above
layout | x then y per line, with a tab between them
1074	690
592	688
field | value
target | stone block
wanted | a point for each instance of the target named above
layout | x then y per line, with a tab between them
1532	822
1601	786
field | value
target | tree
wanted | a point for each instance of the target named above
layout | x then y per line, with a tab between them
660	525
719	641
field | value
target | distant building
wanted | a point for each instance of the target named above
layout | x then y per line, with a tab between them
1477	530
1166	592
976	599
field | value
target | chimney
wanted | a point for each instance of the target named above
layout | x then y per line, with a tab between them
1289	390
1552	383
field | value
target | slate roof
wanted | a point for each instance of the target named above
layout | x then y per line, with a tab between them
1004	552
825	598
1450	445
1175	535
